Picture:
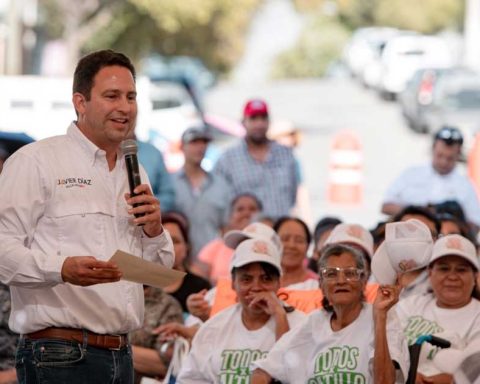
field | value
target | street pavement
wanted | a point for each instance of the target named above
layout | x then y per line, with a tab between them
321	108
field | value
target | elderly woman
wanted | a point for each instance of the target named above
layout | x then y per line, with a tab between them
452	311
226	345
346	341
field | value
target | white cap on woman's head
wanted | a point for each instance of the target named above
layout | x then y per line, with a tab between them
253	231
407	247
455	245
256	251
351	234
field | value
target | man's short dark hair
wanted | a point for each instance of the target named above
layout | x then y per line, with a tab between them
91	64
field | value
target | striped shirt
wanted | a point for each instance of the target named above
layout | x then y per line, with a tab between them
273	181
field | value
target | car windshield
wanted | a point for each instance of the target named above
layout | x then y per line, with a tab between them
462	99
167	95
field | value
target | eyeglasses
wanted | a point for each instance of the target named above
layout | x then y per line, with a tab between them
333	273
450	135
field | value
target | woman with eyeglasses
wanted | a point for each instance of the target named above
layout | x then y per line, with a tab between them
349	340
451	311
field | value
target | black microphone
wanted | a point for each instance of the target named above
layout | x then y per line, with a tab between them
129	151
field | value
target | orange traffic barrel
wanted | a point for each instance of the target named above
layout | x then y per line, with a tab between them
345	182
473	164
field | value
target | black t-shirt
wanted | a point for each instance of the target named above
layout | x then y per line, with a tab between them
191	284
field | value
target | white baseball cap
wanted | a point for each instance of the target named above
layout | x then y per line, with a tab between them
407	247
253	231
351	234
455	245
256	251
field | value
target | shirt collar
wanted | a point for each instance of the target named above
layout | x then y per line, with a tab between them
450	174
89	148
181	173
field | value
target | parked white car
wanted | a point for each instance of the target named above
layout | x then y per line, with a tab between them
405	54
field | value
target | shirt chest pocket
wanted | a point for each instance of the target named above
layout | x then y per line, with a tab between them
80	226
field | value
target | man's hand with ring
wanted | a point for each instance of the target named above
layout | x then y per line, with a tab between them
148	205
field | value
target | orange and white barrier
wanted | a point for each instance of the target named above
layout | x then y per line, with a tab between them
346	169
473	163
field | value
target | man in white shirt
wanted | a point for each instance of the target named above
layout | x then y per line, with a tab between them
436	182
64	210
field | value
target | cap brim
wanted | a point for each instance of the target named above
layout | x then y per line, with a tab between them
454	252
382	269
235	237
255	258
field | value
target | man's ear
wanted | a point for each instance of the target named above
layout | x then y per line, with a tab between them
79	102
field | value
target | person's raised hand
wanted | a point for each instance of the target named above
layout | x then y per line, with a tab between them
198	306
268	301
387	297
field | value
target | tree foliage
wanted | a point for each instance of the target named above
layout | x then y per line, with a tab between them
212	30
320	44
427	16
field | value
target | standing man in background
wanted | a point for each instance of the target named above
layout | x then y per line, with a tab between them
64	211
436	182
201	196
260	166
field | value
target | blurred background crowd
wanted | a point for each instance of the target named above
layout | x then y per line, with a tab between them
299	114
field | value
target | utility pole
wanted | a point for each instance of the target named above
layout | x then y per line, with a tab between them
14	39
472	34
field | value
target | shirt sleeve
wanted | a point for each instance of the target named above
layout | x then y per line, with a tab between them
471	204
159	248
195	368
294	171
222	168
274	364
23	196
208	252
392	194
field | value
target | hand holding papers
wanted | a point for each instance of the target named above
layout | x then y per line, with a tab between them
145	272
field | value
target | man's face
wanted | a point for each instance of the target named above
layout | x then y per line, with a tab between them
110	114
256	127
194	151
445	157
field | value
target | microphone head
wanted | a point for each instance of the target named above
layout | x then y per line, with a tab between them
128	147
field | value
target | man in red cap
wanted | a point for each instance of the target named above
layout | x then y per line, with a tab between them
260	166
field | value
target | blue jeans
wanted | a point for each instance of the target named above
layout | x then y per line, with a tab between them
68	362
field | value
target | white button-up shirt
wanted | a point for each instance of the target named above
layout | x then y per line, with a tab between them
59	199
422	185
